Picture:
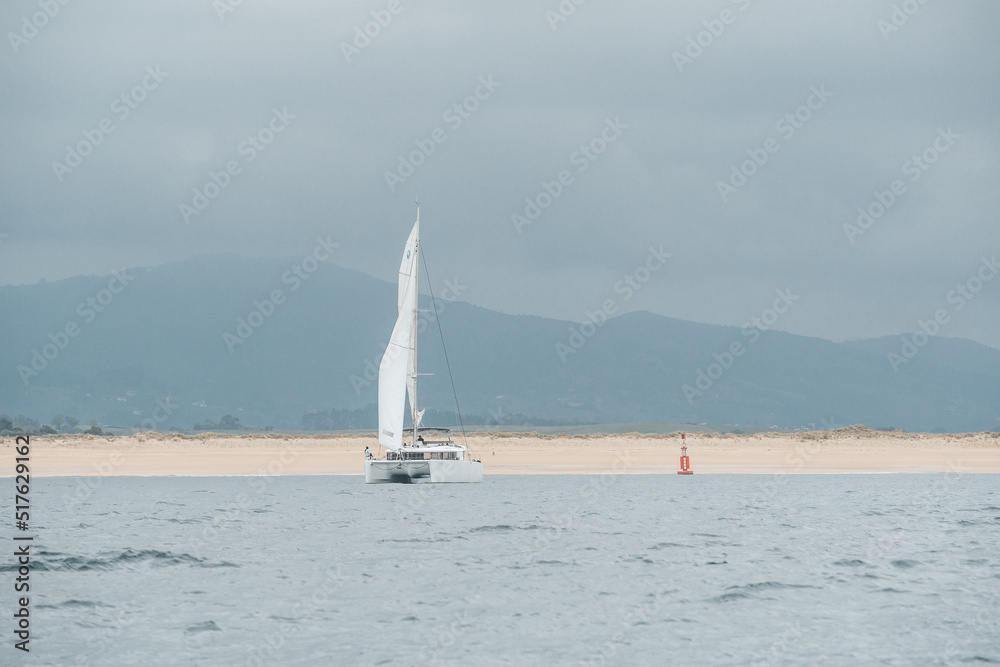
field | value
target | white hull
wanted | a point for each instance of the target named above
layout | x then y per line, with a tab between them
382	472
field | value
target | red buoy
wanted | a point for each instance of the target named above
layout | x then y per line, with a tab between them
685	461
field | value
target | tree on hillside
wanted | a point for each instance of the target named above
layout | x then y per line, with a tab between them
27	423
5	423
65	424
230	423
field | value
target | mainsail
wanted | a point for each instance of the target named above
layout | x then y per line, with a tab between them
409	268
397	373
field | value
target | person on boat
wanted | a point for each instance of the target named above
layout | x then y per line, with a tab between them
368	452
420	439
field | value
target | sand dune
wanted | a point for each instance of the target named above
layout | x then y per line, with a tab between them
852	449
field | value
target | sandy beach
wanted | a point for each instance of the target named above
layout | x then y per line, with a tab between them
847	450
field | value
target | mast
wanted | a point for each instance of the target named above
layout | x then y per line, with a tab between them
414	413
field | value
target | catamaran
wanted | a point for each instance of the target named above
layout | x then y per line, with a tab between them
419	453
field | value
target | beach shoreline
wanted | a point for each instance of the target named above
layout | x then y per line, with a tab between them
847	450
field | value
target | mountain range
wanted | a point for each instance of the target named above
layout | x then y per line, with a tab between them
269	340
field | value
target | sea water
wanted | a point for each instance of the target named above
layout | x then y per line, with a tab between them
518	570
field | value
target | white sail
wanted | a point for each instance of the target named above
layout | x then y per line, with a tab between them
409	270
408	266
396	373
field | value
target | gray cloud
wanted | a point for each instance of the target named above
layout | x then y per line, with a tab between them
655	185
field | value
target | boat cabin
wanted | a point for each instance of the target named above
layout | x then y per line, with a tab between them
425	454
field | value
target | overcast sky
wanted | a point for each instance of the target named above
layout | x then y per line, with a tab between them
677	117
